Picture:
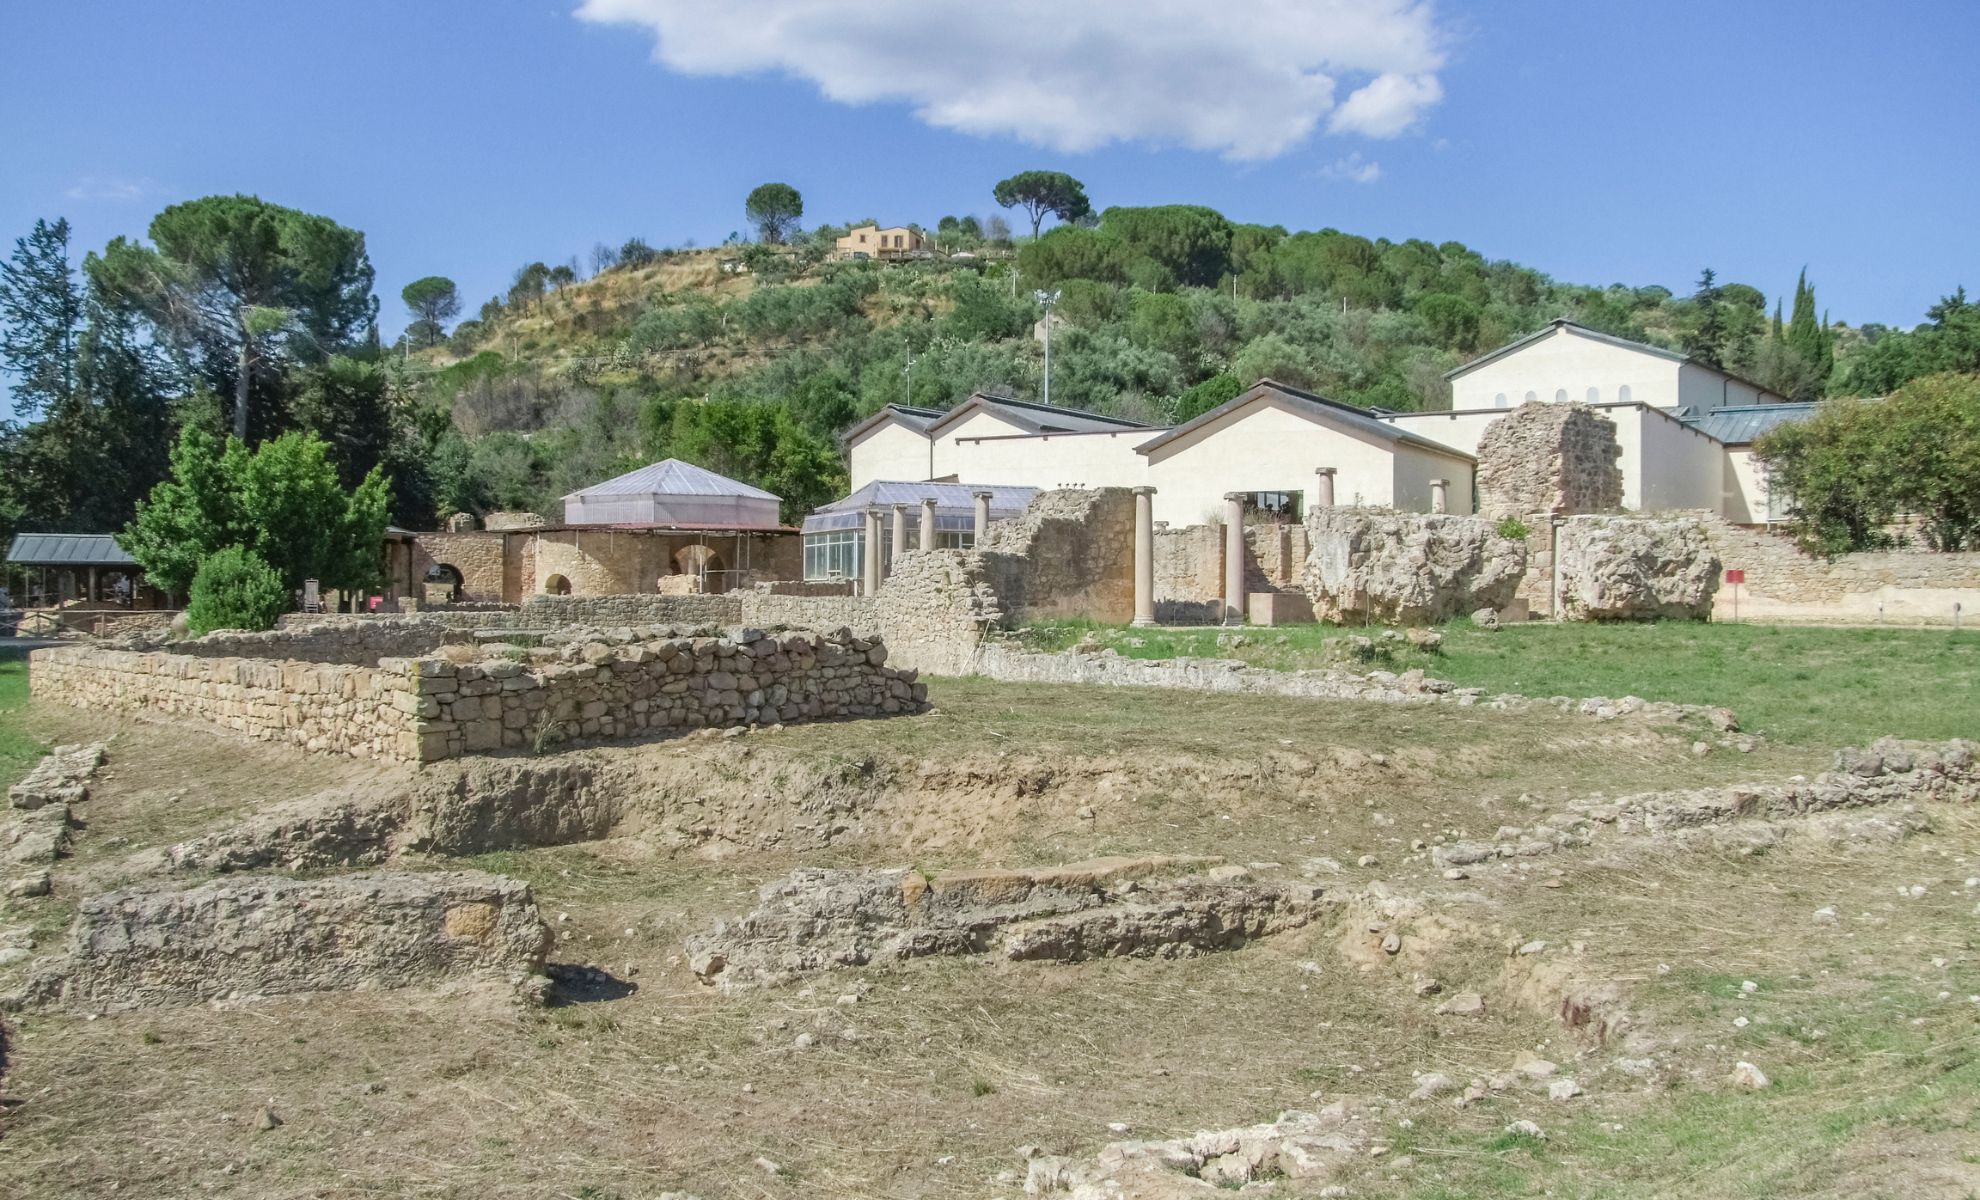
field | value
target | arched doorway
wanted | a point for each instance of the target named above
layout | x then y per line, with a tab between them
443	583
705	565
556	585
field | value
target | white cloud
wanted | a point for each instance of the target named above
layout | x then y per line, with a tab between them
1353	168
91	187
1387	105
1249	79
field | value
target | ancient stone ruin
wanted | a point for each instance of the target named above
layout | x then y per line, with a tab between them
266	936
1375	565
1635	569
1148	907
1549	458
1310	1147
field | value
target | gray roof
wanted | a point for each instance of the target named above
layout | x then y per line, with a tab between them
672	477
952	501
1739	425
917	419
68	550
1035	418
1315	407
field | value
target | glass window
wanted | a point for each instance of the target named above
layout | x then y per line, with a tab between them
1560	396
1530	397
1594	395
1622	393
833	555
1499	401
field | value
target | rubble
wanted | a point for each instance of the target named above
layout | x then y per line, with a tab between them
1143	907
1310	1147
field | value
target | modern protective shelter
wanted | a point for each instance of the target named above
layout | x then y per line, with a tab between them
55	568
835	535
672	494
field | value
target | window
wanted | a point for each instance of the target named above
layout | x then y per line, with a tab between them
1273	506
955	539
1499	401
833	555
1622	393
1530	397
1560	396
1594	395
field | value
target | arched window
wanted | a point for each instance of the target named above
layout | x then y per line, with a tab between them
1594	395
443	583
1622	393
557	585
1530	397
1560	396
1499	401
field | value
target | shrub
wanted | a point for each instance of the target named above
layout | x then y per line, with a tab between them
1514	530
235	589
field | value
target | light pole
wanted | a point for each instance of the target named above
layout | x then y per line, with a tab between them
1045	301
909	372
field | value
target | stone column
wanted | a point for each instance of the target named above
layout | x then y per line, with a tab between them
928	523
982	514
1440	495
1144	556
899	543
870	554
1323	487
1234	558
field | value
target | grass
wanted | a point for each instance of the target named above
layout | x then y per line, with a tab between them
19	749
1796	684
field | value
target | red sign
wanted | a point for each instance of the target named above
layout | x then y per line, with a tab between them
1736	575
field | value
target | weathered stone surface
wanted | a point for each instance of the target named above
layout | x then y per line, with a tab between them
60	778
1407	568
1549	458
1308	1147
1636	569
30	842
268	936
816	918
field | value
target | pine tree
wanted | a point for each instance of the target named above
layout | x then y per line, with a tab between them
1706	341
40	317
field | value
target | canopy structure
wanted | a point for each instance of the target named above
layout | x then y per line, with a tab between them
68	550
955	504
673	494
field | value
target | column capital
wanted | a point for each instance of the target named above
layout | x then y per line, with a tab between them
900	508
1144	490
1326	470
982	494
1239	497
1440	483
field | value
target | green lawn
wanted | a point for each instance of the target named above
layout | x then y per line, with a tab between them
18	750
1797	684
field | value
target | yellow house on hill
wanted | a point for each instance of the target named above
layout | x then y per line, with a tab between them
871	241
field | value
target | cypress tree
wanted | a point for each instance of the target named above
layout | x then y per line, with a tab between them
1803	333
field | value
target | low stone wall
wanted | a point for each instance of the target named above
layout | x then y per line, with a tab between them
1071	554
313	638
641	686
1784	584
326	708
1189	568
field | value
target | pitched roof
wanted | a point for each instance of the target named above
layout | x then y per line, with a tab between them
917	419
1563	325
956	501
1739	425
68	550
672	477
1032	417
1312	406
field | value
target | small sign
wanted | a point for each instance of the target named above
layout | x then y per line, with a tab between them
1736	575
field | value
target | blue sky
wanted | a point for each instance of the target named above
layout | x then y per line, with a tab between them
1600	142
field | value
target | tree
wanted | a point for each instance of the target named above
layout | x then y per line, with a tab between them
238	288
283	501
432	301
527	287
1706	339
774	208
1041	193
235	589
636	253
41	310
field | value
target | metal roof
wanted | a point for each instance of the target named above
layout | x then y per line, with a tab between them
917	419
672	477
1739	425
1032	417
952	501
1312	406
68	550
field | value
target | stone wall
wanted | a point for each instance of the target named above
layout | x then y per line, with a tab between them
326	708
618	689
480	557
1189	568
1407	568
508	521
1635	569
1549	458
1071	554
318	638
1782	583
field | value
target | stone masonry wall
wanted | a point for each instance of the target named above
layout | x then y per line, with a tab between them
326	708
1070	555
314	638
1783	583
1189	568
1549	458
617	689
480	558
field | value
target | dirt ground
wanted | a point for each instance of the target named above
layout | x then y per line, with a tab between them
923	1079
